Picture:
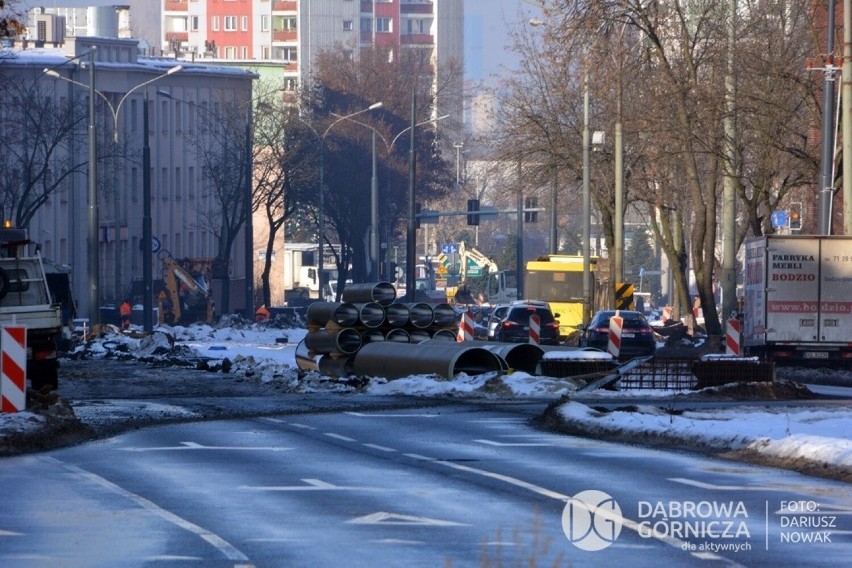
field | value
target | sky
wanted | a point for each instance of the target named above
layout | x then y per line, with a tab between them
822	434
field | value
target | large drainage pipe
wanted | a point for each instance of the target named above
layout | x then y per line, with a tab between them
336	366
444	335
421	314
398	336
344	314
519	356
445	315
396	360
397	315
371	314
382	293
345	341
304	359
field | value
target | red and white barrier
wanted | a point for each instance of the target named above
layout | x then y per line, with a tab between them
535	329
465	327
13	368
733	337
616	325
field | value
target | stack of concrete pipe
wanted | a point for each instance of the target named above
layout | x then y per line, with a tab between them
368	314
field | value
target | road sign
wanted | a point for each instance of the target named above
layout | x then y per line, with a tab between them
778	219
450	248
155	245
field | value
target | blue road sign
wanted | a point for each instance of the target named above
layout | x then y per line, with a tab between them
778	219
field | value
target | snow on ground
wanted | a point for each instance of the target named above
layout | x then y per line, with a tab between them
791	431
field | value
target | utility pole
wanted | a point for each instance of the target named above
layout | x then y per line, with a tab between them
729	194
826	183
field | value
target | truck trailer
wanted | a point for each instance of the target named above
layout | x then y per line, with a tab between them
798	298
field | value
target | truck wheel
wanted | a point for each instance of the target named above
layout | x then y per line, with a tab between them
4	283
44	375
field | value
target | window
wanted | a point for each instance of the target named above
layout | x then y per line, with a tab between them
230	52
366	25
264	23
230	23
244	23
193	23
214	23
383	25
348	25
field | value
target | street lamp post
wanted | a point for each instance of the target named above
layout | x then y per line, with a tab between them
321	139
93	214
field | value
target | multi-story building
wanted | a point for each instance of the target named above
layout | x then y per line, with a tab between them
183	200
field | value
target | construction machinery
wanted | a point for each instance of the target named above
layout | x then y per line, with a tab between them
25	300
186	297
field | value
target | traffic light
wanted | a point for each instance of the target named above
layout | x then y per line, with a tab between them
795	216
473	212
531	216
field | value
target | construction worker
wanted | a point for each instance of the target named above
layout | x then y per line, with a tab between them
262	314
124	310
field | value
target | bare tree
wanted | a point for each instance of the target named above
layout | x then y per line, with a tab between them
37	134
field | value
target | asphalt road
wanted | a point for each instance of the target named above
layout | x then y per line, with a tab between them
334	480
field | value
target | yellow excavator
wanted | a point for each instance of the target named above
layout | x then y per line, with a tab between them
186	296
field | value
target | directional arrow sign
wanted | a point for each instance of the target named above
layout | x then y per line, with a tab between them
383	518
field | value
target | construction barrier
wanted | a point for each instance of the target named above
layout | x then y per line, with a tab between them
466	327
733	337
535	330
13	368
616	324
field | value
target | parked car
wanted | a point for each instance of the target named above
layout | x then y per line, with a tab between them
494	318
637	336
514	325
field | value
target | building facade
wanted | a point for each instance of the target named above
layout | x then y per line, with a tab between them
184	205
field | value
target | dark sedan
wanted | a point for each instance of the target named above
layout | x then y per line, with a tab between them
514	326
637	337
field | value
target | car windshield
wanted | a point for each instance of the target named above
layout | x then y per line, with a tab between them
630	321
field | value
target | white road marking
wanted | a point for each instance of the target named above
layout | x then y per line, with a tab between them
227	549
384	518
312	485
303	426
340	437
381	448
371	415
419	457
194	446
702	485
10	533
513	444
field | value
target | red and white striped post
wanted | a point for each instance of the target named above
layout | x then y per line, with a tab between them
733	337
465	327
535	329
13	368
616	324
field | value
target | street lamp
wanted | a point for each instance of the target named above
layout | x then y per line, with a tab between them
93	222
321	139
374	188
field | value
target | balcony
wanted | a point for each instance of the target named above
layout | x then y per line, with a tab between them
285	35
177	36
366	6
284	5
416	39
176	6
416	8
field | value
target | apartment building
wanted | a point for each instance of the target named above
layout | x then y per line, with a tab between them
183	201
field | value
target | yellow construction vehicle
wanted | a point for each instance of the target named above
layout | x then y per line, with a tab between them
186	296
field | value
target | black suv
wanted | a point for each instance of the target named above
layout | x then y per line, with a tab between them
514	325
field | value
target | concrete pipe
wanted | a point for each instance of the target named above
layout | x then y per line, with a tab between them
371	314
421	314
419	335
397	315
444	335
345	341
304	360
394	361
519	356
344	314
398	336
445	315
382	293
339	367
371	336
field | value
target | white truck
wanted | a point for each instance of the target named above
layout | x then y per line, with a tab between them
798	298
25	300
